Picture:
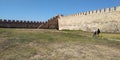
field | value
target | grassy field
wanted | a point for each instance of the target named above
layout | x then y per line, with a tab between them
43	44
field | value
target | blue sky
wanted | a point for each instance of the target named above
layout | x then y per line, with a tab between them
42	10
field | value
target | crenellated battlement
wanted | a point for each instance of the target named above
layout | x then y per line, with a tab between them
52	23
19	21
106	10
107	20
86	21
4	23
118	8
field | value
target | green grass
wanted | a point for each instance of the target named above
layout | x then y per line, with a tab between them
16	44
13	36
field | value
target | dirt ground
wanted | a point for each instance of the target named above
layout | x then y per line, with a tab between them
77	51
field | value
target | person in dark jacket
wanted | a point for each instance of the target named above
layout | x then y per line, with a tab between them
98	31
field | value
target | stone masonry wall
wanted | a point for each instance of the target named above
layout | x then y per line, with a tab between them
52	23
107	20
19	24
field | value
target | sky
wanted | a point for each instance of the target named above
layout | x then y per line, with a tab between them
42	10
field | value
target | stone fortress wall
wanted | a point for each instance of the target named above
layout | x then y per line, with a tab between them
107	20
4	23
52	23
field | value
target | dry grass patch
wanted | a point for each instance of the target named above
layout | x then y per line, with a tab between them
43	44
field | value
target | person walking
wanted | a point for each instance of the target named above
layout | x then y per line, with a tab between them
98	32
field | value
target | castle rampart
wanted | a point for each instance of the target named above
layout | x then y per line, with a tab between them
18	24
98	11
108	20
52	23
